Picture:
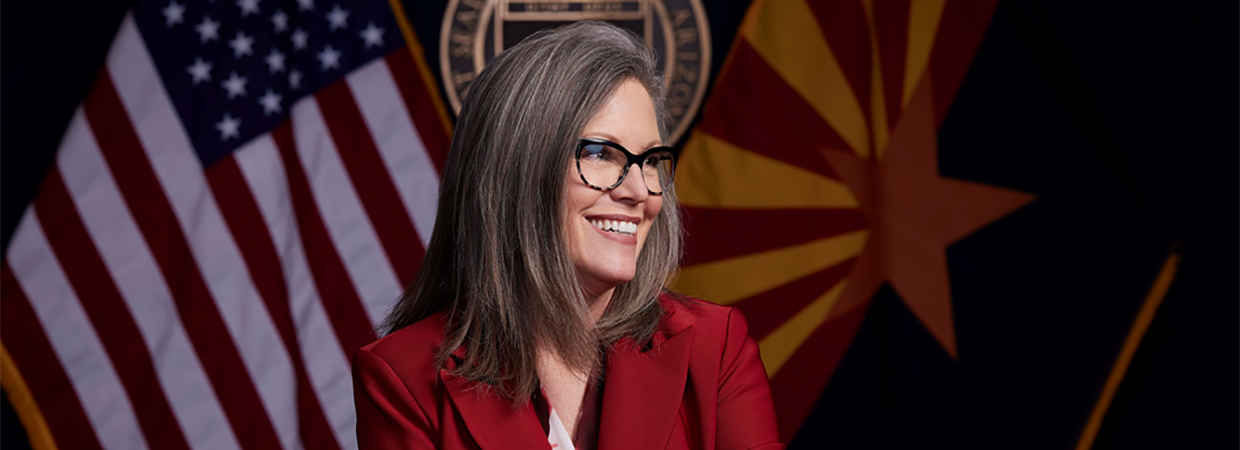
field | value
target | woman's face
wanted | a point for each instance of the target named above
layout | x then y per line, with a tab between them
605	259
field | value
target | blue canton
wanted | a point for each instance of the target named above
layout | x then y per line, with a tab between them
234	67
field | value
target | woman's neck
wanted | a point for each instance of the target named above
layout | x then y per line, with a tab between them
597	303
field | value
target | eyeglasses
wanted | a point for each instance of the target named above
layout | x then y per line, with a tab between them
603	164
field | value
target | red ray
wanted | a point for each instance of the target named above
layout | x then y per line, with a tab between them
768	310
843	25
777	123
797	385
959	34
891	27
717	234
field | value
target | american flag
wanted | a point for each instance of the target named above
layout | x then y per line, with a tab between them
238	201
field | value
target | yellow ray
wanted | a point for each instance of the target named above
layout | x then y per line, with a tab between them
878	99
923	25
724	282
716	174
785	33
778	346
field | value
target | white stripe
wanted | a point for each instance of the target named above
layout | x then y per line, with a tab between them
76	344
181	177
352	233
399	144
325	359
142	286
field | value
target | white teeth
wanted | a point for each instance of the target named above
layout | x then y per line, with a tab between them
615	226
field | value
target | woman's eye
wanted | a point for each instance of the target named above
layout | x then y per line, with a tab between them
596	151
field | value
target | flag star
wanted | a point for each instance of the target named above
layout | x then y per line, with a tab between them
294	79
242	45
174	13
305	5
248	7
275	61
299	39
270	102
372	35
229	127
280	21
201	71
338	17
208	30
330	58
235	85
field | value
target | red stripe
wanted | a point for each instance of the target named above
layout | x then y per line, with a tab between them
32	353
768	310
340	300
962	28
753	108
417	92
151	210
108	312
711	233
891	27
797	385
843	25
259	251
370	177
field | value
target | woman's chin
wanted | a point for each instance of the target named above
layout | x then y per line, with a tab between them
599	279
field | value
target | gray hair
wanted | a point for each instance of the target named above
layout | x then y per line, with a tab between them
498	262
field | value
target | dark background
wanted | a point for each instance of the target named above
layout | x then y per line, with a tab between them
1130	107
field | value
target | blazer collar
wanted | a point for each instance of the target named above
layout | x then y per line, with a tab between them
643	389
641	397
491	420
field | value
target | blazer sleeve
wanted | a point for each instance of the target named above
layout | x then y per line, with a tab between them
745	413
388	416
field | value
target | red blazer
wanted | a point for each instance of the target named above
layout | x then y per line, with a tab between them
700	385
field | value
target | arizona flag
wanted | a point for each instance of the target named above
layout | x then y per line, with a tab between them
234	206
813	178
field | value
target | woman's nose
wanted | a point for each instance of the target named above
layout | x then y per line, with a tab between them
633	187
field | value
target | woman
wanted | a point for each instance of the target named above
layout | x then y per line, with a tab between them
539	318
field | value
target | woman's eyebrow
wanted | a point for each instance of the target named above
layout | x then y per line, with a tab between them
605	135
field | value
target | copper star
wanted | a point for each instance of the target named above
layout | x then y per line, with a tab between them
914	214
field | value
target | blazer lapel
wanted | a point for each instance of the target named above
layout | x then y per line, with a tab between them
490	418
643	390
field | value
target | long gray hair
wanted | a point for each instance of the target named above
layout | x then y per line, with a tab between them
497	260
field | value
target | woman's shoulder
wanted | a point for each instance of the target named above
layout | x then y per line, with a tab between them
409	351
708	319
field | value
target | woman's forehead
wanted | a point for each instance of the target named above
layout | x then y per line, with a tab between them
627	117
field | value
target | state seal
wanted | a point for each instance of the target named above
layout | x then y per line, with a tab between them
474	31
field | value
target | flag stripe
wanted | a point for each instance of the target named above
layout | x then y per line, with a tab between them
891	24
179	174
369	176
403	151
73	337
351	230
340	299
797	386
133	269
260	164
238	207
203	322
416	91
27	342
86	272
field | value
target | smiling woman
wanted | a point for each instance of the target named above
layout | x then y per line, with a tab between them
539	316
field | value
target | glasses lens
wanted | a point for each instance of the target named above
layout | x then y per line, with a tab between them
657	170
601	164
